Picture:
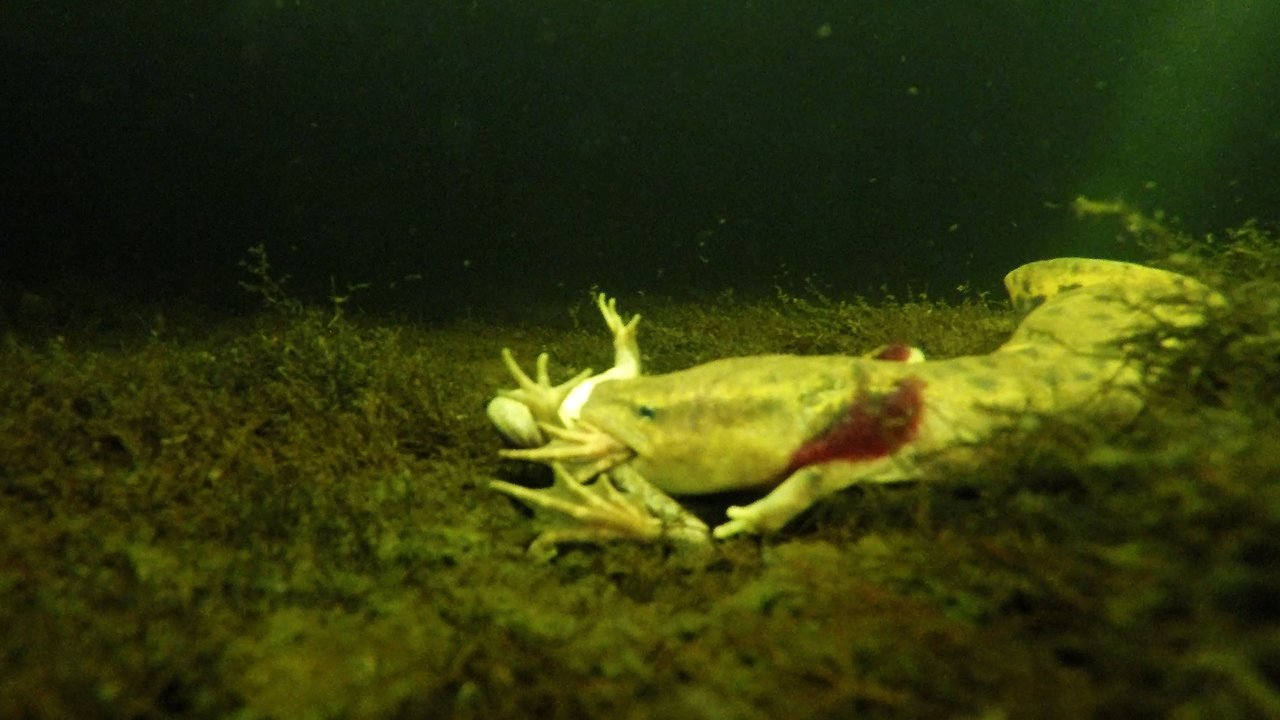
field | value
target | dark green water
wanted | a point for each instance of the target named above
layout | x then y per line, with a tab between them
497	152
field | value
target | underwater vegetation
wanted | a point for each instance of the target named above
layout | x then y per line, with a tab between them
288	516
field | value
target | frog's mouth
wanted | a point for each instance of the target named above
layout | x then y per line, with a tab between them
585	451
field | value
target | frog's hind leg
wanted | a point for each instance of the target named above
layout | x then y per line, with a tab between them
615	506
1036	282
1104	308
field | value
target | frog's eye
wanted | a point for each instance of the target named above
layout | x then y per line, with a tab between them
648	412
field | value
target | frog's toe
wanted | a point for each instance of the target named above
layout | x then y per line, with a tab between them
584	512
741	522
609	310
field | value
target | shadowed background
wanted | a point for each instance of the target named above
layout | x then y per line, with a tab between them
458	155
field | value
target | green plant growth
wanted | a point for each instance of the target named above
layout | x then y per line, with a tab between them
288	518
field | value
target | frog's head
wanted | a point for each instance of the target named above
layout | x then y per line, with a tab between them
581	446
630	418
610	426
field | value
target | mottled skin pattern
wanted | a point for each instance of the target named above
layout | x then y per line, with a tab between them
802	428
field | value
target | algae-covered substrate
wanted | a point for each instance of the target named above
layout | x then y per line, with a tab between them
288	516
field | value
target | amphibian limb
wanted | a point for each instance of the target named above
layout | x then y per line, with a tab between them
799	428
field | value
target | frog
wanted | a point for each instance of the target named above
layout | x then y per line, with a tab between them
1094	337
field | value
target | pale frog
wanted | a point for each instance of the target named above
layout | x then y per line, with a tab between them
799	428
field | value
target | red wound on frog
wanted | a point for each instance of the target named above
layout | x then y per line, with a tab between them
873	427
898	352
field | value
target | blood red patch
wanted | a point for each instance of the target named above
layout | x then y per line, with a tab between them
898	352
873	427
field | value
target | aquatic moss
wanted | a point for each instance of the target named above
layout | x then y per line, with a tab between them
288	517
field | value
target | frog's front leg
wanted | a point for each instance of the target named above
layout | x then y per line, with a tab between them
805	487
876	441
617	505
626	351
518	413
626	360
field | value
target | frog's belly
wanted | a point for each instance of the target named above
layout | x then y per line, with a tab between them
969	408
754	429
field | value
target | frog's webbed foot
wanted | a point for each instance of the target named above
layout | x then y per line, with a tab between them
586	450
625	507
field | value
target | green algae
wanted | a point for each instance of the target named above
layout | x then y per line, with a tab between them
287	517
